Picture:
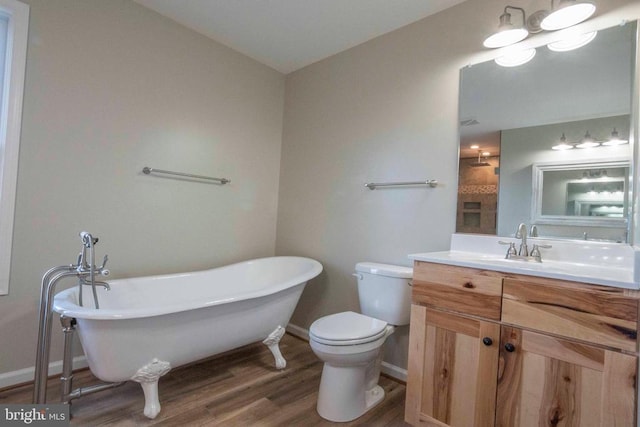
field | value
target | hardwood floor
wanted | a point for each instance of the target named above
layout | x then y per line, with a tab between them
238	388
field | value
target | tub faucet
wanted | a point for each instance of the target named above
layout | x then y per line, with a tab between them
105	285
87	267
521	234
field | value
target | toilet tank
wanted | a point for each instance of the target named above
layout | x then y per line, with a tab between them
385	291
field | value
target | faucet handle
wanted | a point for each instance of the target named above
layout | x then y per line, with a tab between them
535	252
512	248
104	262
537	245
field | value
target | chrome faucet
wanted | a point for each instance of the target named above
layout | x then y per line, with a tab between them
521	234
524	254
511	251
87	267
535	252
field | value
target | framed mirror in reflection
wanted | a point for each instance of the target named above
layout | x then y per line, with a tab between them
589	194
529	134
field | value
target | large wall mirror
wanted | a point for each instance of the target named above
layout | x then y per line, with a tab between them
513	120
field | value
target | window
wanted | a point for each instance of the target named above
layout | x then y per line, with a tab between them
14	22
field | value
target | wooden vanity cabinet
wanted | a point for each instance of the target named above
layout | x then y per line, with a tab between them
557	354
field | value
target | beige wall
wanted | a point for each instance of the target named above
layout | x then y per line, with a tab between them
386	110
112	87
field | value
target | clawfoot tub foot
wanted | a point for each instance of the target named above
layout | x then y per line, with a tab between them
148	377
272	342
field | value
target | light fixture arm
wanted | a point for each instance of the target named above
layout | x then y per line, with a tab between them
553	4
524	16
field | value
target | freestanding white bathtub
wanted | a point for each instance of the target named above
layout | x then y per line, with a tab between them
147	325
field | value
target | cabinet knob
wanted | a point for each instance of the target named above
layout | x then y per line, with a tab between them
509	347
487	341
469	285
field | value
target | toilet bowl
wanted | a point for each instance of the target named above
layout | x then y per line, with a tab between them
350	343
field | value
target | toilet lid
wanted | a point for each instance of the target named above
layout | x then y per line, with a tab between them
347	328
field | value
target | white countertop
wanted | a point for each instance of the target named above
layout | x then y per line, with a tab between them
608	264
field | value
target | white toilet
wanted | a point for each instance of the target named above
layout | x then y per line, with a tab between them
350	344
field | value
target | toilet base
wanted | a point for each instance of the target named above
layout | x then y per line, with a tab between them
343	395
374	396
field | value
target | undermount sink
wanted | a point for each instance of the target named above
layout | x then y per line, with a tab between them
608	264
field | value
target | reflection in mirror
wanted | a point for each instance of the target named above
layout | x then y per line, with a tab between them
583	196
516	117
588	194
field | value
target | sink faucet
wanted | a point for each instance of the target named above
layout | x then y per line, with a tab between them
522	235
535	252
523	253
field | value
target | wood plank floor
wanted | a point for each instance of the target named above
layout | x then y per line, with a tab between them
238	388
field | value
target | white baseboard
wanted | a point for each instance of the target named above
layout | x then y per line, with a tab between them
22	376
297	331
387	368
394	371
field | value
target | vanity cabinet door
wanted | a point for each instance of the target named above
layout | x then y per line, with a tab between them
549	381
453	368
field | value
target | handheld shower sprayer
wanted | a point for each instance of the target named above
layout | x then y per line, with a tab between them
84	266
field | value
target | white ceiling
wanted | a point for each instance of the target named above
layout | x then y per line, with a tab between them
290	34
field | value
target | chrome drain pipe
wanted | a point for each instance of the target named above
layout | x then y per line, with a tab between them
69	328
66	380
84	391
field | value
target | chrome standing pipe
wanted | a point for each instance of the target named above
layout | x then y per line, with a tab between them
44	329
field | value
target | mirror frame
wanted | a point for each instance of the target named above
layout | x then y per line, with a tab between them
538	218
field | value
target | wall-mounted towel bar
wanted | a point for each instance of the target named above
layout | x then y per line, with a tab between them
373	185
148	170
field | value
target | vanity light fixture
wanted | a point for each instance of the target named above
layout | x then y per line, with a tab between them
516	58
567	14
507	33
587	142
572	42
615	139
563	144
592	175
474	147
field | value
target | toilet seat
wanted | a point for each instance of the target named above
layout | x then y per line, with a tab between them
347	328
